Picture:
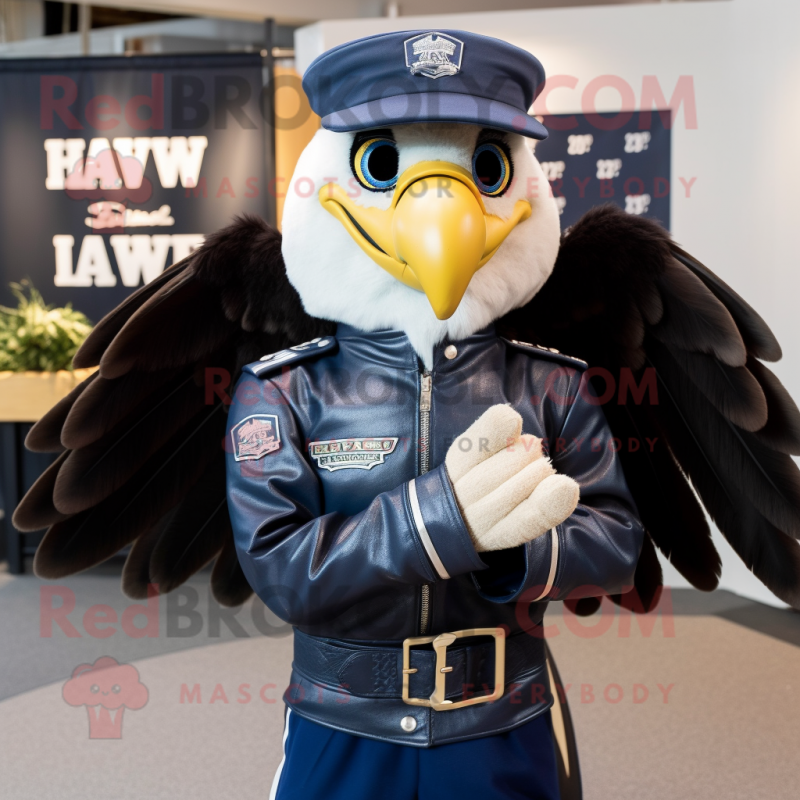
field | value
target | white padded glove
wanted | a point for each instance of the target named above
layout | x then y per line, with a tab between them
508	492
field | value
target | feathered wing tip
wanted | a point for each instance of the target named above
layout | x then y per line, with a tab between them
136	578
142	566
91	351
36	510
758	337
765	478
140	342
782	429
648	581
195	534
45	435
719	476
583	606
624	297
106	403
733	391
694	320
668	507
95	534
93	473
771	555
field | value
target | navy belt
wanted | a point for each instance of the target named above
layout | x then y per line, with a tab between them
377	671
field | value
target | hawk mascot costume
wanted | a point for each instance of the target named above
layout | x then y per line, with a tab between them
370	423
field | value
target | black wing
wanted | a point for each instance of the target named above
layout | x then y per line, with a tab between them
644	314
142	459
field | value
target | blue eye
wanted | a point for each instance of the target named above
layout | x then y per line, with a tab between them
491	168
375	164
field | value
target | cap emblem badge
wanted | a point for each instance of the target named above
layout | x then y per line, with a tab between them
434	55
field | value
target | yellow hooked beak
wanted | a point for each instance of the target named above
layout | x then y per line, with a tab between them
435	235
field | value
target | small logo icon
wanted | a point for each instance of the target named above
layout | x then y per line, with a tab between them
106	688
434	55
255	436
334	454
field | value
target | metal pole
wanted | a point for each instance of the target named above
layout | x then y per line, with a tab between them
84	26
268	111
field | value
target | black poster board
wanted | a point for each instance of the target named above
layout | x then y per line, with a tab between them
113	168
625	159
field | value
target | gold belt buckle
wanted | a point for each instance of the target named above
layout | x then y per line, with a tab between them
440	644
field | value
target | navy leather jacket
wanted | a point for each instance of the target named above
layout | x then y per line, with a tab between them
347	527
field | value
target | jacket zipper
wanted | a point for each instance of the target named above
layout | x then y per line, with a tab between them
425	388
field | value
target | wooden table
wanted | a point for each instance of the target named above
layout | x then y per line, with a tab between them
24	398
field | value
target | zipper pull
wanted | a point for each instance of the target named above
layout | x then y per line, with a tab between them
425	392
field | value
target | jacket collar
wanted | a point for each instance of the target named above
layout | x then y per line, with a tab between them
391	348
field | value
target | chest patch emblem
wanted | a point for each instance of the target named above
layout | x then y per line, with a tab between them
255	436
333	454
434	55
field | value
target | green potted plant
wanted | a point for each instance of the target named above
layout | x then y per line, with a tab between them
37	343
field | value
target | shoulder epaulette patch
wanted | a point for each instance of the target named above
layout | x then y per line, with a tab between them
291	355
549	353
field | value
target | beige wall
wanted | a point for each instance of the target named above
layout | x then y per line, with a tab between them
21	19
296	125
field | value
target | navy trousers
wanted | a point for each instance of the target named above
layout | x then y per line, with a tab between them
323	764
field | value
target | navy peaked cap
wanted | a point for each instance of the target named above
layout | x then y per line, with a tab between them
426	76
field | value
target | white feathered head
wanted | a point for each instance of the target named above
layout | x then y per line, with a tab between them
434	228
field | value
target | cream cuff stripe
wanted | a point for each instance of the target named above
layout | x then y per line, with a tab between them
416	513
553	565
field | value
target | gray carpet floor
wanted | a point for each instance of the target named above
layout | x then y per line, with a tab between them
704	704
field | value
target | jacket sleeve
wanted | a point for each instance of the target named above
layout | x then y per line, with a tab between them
308	566
595	551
